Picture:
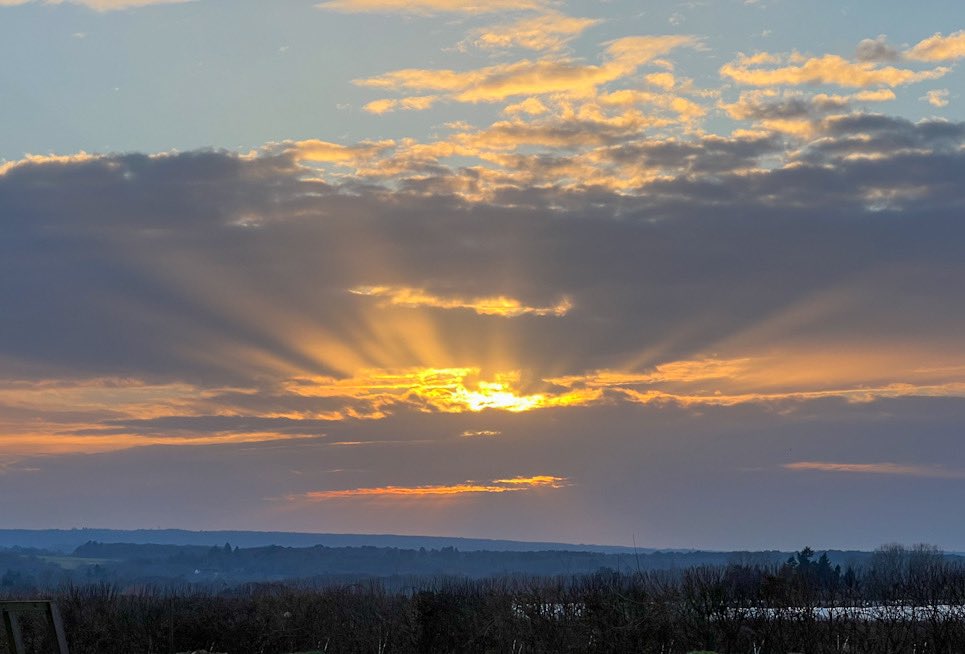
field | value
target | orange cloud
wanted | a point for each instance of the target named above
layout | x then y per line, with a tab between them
37	159
828	69
665	81
430	6
531	106
108	414
447	390
686	371
731	382
89	415
527	77
939	48
316	151
511	485
499	305
547	31
937	472
685	108
116	397
21	444
415	103
936	97
859	394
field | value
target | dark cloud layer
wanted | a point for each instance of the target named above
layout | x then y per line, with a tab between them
203	295
138	265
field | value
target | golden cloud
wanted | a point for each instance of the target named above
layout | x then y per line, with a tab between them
117	397
499	305
827	69
855	395
939	48
665	81
937	472
685	108
313	150
685	371
531	106
765	380
106	414
415	103
936	97
430	6
547	31
528	77
511	485
32	444
37	159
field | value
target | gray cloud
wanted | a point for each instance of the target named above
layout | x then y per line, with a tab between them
154	267
877	49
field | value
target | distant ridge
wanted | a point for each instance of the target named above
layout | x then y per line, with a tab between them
67	540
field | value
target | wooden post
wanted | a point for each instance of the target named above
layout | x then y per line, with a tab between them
57	625
12	627
9	611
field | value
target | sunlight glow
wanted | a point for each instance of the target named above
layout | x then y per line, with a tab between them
449	390
499	305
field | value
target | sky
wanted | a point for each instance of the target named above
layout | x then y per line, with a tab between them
678	274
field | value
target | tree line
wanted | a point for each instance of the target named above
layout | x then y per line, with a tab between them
903	600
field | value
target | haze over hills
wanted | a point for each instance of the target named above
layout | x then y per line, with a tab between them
37	559
67	540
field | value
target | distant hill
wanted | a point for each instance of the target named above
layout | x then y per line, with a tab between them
67	540
131	565
38	559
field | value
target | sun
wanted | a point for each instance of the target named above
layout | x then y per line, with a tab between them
497	395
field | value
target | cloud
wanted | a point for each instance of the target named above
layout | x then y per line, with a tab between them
795	113
511	485
36	159
546	31
936	97
528	77
427	7
731	382
827	69
686	109
506	307
530	106
488	433
689	371
446	390
769	105
665	81
935	472
877	136
313	150
416	103
939	48
857	395
230	271
877	49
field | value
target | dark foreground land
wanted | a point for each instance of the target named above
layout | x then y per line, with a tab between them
900	601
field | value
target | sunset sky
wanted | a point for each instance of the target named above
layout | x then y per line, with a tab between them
684	274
